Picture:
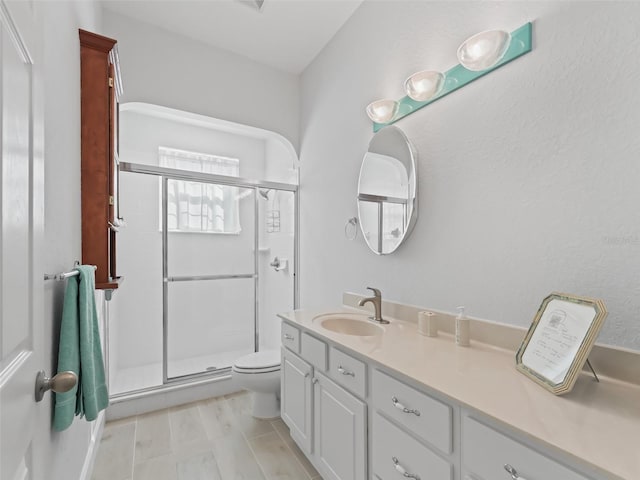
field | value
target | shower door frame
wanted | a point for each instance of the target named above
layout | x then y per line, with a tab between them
166	174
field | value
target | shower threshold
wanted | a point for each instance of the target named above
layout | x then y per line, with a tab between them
145	377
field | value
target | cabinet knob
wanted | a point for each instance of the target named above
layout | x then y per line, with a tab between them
404	409
315	380
403	470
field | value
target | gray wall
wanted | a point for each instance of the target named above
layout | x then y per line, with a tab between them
528	178
65	452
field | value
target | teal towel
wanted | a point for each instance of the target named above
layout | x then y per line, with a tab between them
80	351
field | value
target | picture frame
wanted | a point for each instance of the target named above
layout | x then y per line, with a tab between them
559	340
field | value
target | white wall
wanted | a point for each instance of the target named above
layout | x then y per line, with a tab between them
167	69
528	178
67	450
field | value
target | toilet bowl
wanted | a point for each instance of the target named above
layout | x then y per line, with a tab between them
260	373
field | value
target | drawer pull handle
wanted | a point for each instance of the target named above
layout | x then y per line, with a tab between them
403	471
345	372
400	406
288	337
513	472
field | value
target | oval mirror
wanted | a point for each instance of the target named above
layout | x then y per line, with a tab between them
387	201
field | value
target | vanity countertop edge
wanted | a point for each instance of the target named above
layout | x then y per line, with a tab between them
596	424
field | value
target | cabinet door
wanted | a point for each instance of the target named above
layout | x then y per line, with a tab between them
296	399
340	422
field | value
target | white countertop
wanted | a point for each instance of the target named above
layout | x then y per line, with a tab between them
596	423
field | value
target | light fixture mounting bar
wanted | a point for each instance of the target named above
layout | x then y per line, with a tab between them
458	76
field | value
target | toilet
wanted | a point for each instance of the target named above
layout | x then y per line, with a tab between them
259	373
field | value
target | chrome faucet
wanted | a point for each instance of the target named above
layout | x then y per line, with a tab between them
377	305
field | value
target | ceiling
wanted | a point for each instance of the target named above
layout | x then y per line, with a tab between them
284	34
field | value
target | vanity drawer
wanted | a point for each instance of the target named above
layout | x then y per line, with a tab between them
349	372
396	452
290	337
314	351
485	452
427	418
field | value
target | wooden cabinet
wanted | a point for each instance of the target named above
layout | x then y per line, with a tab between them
100	87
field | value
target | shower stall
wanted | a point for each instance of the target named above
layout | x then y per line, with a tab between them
209	250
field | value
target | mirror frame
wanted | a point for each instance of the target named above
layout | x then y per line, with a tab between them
413	157
578	361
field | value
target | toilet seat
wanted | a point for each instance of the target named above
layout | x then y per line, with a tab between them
265	361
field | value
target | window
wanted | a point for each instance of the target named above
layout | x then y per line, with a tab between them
201	207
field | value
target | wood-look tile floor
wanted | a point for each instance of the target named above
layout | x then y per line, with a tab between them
214	439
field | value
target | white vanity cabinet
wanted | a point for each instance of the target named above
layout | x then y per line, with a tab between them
412	432
357	419
327	421
340	431
296	399
488	454
396	454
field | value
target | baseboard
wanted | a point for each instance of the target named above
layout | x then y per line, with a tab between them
138	403
92	451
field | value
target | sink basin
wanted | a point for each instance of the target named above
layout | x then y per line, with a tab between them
348	324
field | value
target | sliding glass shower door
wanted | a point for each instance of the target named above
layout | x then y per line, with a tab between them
209	262
210	276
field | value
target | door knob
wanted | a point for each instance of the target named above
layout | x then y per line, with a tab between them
60	383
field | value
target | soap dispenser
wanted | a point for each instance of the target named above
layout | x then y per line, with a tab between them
462	328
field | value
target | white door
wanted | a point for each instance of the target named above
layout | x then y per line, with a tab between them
21	234
340	432
296	399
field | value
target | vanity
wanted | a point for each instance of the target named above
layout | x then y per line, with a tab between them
381	402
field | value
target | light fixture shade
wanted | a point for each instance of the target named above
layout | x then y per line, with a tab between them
382	111
483	50
422	86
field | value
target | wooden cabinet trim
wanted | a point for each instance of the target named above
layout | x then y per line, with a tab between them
95	41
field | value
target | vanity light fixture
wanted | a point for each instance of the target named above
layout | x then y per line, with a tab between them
478	55
483	50
423	86
382	111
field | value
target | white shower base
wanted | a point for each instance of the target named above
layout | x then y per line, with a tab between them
130	379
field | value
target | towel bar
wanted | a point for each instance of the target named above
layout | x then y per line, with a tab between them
62	276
